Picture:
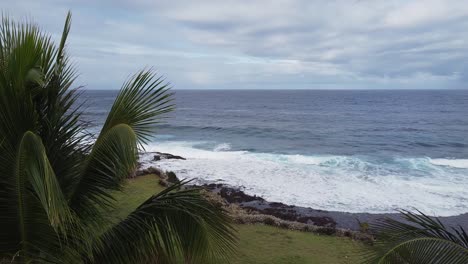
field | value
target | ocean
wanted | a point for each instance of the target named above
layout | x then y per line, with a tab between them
352	151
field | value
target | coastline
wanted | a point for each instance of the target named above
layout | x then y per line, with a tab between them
321	218
346	183
334	219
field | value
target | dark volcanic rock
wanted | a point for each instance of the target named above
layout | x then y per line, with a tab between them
231	195
328	219
237	196
172	177
258	204
161	156
286	212
150	170
318	221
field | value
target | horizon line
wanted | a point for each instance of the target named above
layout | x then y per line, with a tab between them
298	89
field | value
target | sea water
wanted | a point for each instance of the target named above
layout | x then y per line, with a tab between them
353	151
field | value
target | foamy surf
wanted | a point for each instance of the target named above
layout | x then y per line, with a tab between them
338	183
455	163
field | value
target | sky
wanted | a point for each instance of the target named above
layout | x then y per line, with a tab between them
263	44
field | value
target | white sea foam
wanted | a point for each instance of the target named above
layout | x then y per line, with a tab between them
342	183
222	147
455	163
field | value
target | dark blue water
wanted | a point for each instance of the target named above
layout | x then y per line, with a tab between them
357	150
407	123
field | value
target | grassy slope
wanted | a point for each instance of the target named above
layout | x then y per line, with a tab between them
267	244
135	192
258	243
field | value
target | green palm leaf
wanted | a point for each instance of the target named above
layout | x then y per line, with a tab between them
417	239
132	119
44	218
55	189
61	129
112	159
141	103
426	250
180	225
20	49
33	166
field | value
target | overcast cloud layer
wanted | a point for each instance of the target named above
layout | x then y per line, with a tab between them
301	44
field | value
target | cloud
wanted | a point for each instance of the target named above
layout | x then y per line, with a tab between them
417	13
259	44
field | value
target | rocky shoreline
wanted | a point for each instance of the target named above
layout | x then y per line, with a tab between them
334	219
304	215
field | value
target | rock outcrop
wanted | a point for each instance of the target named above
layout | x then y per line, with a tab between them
163	156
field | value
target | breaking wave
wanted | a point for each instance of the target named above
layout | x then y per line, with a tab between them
337	183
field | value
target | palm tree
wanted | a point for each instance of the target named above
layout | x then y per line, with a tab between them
417	239
55	190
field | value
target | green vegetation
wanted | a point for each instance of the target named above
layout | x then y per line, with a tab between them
135	192
267	244
259	243
56	191
421	239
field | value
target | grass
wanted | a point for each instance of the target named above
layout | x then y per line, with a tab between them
135	192
257	243
267	244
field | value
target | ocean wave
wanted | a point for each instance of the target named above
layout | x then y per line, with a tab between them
222	147
455	163
329	182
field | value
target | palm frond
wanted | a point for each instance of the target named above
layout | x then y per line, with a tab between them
20	52
426	250
53	188
135	114
36	202
418	239
169	227
112	159
142	103
34	92
20	47
60	124
29	186
34	166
